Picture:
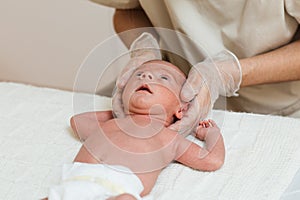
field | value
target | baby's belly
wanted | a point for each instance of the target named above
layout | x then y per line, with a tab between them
139	155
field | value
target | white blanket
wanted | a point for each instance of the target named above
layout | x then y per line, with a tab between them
262	152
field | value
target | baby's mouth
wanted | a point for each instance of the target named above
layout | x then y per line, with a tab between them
145	88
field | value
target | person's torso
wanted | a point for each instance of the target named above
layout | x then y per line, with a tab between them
246	28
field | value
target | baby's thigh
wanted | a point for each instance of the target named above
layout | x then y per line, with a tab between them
124	196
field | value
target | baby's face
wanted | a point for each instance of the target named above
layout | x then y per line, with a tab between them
154	83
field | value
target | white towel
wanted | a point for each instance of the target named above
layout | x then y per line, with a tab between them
262	156
262	152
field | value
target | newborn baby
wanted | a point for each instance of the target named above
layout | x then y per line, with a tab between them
121	158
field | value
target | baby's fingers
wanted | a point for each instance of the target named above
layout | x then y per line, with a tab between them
213	123
205	124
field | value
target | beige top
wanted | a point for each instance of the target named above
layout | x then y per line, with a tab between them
233	25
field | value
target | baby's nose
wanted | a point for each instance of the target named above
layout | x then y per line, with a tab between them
147	75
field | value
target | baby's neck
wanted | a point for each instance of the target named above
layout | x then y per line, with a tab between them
141	126
144	120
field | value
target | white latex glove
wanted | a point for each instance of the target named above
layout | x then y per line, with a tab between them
220	75
143	49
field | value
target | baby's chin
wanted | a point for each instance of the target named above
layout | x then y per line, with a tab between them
139	102
138	111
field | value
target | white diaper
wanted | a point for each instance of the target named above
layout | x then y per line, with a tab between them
95	181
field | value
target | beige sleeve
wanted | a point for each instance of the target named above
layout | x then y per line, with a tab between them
293	8
120	4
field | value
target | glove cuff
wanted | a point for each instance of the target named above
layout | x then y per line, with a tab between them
229	71
237	75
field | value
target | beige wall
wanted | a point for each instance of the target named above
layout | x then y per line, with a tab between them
43	42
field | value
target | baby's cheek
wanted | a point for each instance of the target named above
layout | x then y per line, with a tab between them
126	97
169	95
170	88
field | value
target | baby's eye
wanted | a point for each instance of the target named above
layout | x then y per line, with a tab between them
138	73
164	77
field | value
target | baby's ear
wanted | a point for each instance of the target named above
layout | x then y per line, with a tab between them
179	114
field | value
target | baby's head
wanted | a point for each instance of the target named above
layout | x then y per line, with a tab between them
154	89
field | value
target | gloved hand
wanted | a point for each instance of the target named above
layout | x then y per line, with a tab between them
220	75
143	49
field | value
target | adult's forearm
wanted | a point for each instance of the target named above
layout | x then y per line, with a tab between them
279	65
131	19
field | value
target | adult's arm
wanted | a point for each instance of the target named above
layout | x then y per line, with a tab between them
279	65
129	19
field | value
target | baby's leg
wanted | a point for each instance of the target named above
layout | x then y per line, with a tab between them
124	196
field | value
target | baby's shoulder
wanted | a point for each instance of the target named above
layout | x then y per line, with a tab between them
111	125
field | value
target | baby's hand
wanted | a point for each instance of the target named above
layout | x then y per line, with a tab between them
206	127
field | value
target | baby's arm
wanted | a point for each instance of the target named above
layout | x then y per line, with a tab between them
86	123
209	158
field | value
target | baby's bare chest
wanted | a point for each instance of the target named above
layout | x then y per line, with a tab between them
116	145
139	139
